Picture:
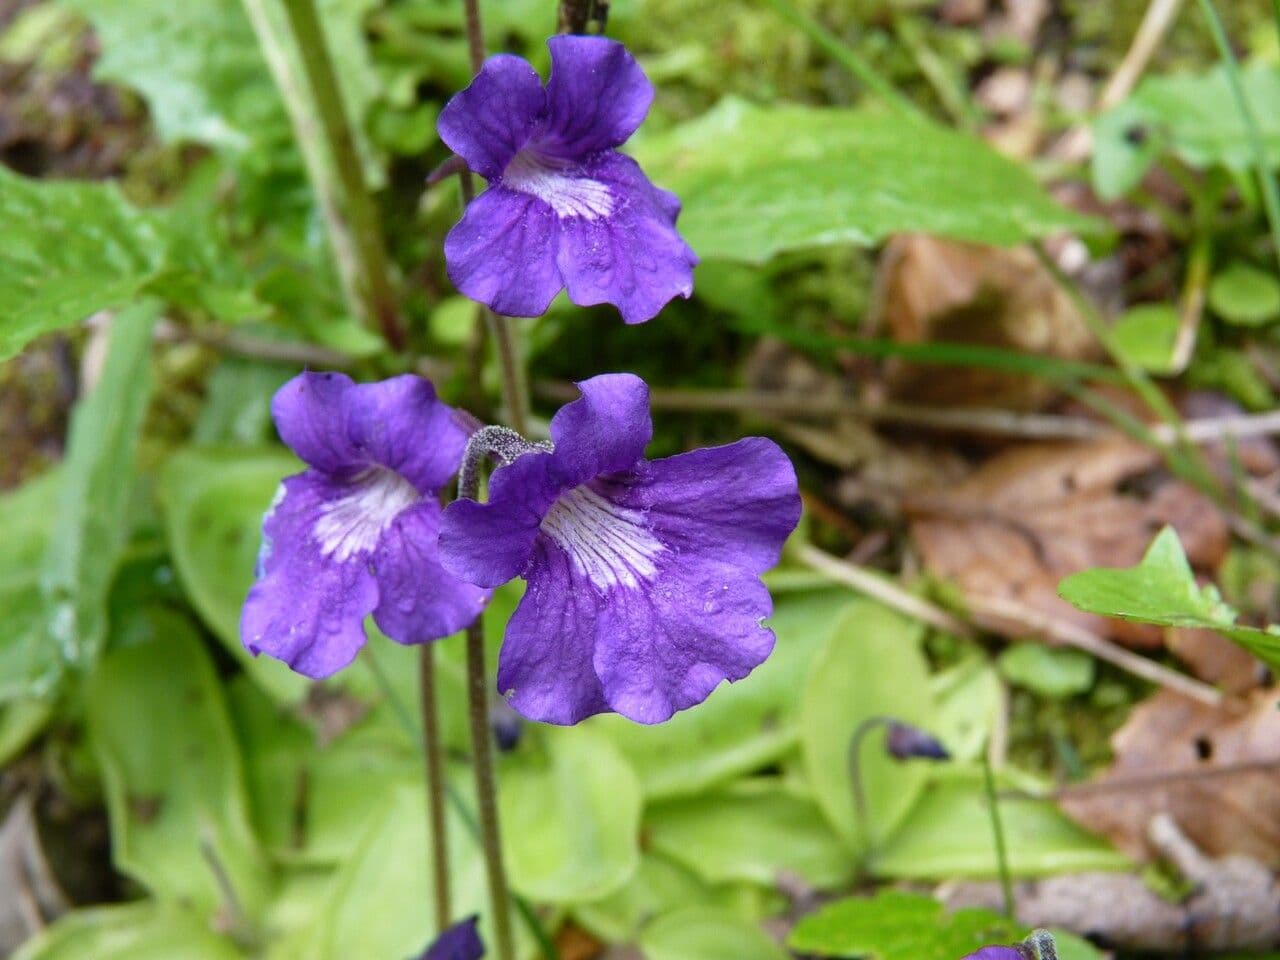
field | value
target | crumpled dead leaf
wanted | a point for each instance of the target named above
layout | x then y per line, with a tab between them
1234	812
1031	515
929	289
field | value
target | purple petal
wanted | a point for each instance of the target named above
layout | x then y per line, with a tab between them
998	953
665	646
632	257
603	431
459	942
307	608
737	503
545	668
399	424
489	543
502	253
487	123
597	96
418	600
310	412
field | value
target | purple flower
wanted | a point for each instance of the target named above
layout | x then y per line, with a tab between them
356	533
460	942
564	209
644	587
999	953
905	742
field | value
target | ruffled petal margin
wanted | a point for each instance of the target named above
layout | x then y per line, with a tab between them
502	253
597	97
491	120
632	258
306	609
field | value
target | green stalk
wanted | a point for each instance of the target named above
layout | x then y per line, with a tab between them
846	57
997	832
433	767
1266	182
354	226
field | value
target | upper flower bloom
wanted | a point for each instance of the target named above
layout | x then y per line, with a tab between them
644	587
356	533
564	209
1000	953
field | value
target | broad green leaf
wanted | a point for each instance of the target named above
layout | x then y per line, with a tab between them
92	511
214	499
948	834
756	181
1193	116
742	726
1163	590
968	699
20	722
894	925
380	902
700	933
218	91
750	831
1245	295
1049	671
172	774
1145	335
237	404
660	886
135	931
71	249
26	516
870	666
571	817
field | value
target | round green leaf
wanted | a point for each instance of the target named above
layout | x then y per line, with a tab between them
1145	335
699	933
1048	671
1245	295
570	817
870	666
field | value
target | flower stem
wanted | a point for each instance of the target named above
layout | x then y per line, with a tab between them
366	277
997	831
1266	182
859	788
486	792
433	756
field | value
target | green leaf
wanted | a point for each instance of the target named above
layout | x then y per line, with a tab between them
135	931
172	774
1193	116
71	249
660	886
1145	335
871	665
894	925
948	834
742	726
750	831
757	181
571	818
214	499
700	933
1245	295
1162	590
1055	672
968	699
26	516
93	516
379	902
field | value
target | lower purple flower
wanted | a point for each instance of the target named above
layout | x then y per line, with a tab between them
356	533
644	588
1000	953
460	942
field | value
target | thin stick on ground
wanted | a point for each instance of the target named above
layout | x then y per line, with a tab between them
1064	631
881	589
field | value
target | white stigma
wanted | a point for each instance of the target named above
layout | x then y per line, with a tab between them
567	195
354	523
609	544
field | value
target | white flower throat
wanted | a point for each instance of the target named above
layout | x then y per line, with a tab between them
610	545
550	181
353	524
